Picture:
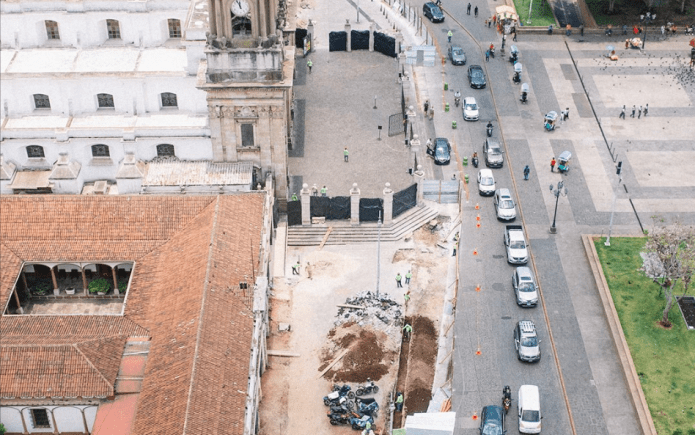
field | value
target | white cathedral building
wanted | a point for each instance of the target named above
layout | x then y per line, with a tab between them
144	96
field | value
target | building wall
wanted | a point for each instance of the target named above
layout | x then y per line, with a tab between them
75	419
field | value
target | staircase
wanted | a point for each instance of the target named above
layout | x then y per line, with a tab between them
343	233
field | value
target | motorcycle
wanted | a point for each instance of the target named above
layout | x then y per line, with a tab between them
489	129
457	101
368	407
340	396
370	387
506	398
524	93
475	159
338	418
361	423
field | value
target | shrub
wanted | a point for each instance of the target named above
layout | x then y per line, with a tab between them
122	284
99	285
41	287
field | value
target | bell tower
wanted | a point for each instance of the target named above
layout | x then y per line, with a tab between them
248	76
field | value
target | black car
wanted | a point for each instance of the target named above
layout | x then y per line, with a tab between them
432	11
440	151
476	77
492	421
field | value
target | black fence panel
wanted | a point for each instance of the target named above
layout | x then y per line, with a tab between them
299	35
404	200
294	213
340	208
319	205
359	39
371	209
385	44
337	41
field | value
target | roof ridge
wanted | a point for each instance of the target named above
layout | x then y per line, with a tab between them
91	364
4	245
213	233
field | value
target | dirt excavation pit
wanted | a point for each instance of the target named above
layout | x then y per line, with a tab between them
370	354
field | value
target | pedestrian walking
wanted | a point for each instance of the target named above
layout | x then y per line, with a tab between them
552	165
427	105
494	20
527	171
476	11
622	112
314	190
632	115
487	55
639	113
456	245
514	33
429	143
294	197
486	21
398	280
324	190
407	277
489	23
295	268
407	331
399	402
581	29
449	35
566	114
309	64
646	109
345	154
468	9
406	297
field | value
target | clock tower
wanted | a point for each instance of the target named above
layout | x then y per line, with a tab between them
248	74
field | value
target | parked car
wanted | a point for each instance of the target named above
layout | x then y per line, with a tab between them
432	11
529	409
470	109
525	288
440	151
493	153
504	205
456	55
476	77
526	342
515	242
486	182
492	420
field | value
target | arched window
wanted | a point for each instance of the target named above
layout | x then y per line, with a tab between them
241	26
35	152
165	150
105	101
41	101
169	99
114	29
100	151
174	28
52	30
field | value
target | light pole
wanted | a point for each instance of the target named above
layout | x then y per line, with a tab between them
557	192
378	256
619	171
646	19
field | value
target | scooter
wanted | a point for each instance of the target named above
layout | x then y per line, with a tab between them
457	101
489	129
368	388
475	160
524	97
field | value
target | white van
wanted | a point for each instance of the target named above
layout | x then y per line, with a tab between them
529	409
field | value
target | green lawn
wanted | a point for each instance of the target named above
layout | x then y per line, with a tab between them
541	13
664	359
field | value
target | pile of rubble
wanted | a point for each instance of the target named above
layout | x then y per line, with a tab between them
382	312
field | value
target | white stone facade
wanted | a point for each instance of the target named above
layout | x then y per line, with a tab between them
70	418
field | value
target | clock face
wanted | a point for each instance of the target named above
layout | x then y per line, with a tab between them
240	8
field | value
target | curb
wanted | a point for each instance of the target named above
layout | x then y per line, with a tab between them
636	394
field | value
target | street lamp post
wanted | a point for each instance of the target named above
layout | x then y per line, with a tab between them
646	19
619	170
557	192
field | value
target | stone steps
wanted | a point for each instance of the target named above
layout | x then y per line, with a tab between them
343	233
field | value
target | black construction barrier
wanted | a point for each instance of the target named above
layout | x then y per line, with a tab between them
385	44
371	209
299	35
294	213
337	41
359	39
319	205
340	208
404	200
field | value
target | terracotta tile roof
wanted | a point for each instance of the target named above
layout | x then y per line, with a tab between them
191	253
85	369
9	271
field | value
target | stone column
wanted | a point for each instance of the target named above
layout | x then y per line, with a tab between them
84	281
348	29
310	32
371	37
419	176
399	44
56	290
388	205
354	205
305	196
115	281
414	151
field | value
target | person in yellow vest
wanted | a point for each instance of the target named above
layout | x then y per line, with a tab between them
309	64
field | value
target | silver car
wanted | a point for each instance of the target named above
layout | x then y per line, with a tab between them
525	288
504	205
493	153
486	182
470	109
526	342
457	56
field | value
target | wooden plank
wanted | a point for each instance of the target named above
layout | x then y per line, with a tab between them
282	353
356	307
325	238
342	354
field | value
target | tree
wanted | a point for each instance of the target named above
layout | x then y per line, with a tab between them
672	253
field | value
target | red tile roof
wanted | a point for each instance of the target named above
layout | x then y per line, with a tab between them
190	253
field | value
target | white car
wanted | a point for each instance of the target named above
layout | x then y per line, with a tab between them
504	205
486	182
470	109
529	405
